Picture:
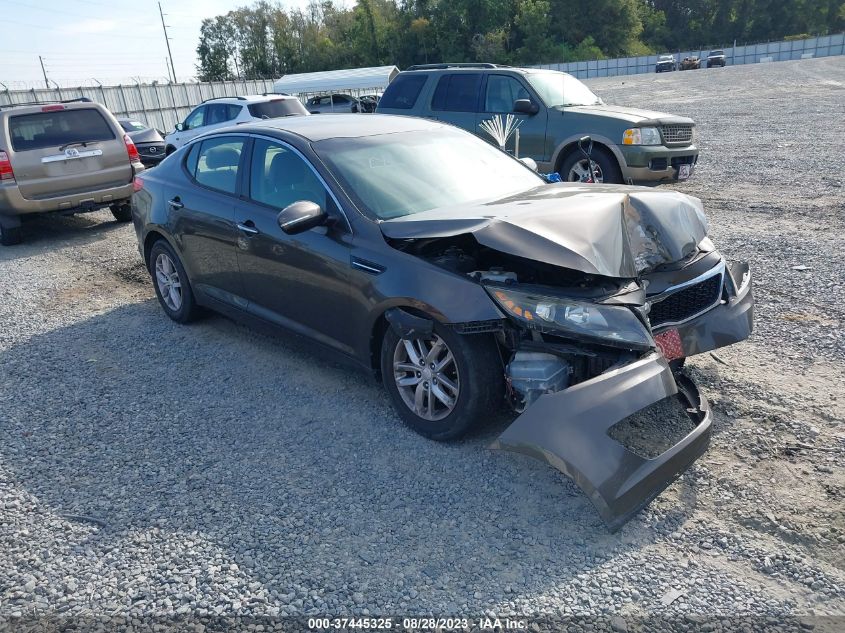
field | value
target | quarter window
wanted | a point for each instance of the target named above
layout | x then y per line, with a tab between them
457	92
216	163
279	177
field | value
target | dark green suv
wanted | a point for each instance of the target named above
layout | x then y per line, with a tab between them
555	109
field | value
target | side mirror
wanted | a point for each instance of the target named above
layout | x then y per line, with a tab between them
525	106
529	162
301	216
180	127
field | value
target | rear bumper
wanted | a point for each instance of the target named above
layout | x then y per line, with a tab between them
653	164
12	203
569	430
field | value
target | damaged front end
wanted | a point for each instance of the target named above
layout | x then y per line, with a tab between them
580	370
598	324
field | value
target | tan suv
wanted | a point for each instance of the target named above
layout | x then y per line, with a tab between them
67	157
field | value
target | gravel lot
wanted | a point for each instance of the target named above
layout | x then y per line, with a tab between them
150	470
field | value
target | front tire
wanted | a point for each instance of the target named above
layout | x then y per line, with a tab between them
442	386
605	167
172	287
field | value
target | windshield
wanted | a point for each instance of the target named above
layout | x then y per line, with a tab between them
666	58
717	52
132	126
560	89
392	175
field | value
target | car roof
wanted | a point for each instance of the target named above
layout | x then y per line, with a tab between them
320	127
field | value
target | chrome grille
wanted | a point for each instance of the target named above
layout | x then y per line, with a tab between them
677	134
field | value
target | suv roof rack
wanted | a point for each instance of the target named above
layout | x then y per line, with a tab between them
455	65
239	98
47	102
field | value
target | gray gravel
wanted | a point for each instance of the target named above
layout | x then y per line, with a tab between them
153	471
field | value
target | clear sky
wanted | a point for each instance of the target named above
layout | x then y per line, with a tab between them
108	40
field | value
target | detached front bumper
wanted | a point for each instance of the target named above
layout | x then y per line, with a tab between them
569	430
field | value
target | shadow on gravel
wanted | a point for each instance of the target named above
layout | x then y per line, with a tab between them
43	233
293	468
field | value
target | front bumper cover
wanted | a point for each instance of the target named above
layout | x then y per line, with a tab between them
569	430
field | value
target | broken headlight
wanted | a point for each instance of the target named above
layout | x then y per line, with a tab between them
611	324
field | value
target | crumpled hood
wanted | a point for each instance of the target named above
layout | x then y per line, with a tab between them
630	115
609	230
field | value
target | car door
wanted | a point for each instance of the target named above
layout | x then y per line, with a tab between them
455	99
202	216
298	281
498	95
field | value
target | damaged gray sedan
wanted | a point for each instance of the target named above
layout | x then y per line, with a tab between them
462	279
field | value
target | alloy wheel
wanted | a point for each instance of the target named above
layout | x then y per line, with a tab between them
579	170
426	376
169	284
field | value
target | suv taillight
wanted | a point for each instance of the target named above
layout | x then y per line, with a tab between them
134	157
6	172
137	184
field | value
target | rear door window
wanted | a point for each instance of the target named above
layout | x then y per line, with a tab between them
403	91
57	128
457	92
217	163
219	113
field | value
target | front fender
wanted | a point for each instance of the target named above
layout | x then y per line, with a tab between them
598	139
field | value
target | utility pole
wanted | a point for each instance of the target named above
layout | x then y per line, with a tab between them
44	72
167	41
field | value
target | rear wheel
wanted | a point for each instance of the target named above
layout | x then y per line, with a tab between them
171	283
10	236
121	212
443	385
605	167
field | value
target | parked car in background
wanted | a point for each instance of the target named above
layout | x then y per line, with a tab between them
554	111
223	111
717	58
665	63
470	283
66	157
690	63
149	141
332	104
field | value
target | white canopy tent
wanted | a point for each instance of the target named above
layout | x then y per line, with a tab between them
350	80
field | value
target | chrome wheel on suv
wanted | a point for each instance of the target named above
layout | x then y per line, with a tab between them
580	169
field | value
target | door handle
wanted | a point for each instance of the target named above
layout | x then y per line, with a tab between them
175	203
248	227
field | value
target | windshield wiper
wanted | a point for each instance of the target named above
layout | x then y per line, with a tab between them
83	143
